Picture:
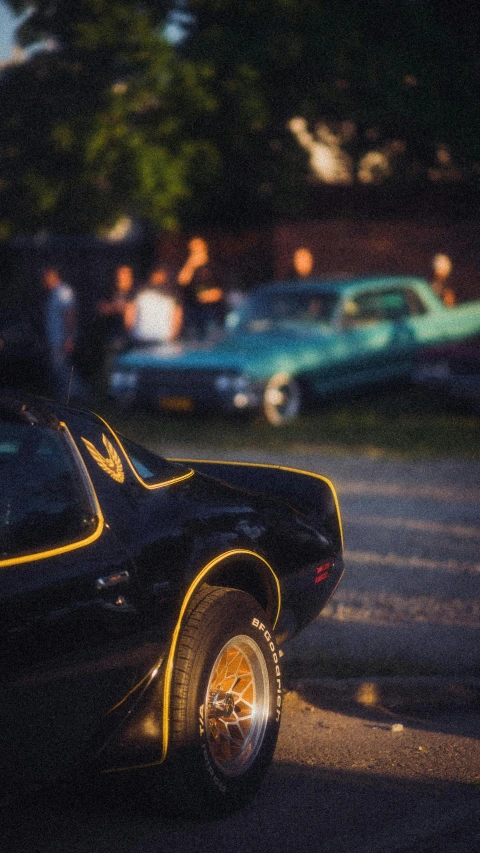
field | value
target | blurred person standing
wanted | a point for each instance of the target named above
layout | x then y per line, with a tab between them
158	315
60	325
114	321
119	311
441	269
203	295
302	263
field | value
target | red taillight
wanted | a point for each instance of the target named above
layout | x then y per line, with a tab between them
323	571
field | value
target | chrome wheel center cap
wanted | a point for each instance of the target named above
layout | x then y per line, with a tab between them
221	704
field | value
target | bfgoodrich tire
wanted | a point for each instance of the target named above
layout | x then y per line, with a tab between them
225	703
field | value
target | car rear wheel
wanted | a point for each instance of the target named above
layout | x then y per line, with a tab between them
282	399
225	703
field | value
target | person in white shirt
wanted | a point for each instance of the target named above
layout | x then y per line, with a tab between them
158	313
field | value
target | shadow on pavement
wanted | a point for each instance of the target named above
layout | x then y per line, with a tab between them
298	808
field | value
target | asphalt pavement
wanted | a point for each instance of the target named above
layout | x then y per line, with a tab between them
404	623
367	762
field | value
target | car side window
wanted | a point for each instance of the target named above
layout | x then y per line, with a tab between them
363	310
42	504
415	303
368	309
401	303
149	467
394	305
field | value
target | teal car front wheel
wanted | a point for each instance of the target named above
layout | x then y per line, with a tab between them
282	399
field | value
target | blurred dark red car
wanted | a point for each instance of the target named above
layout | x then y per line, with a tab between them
453	370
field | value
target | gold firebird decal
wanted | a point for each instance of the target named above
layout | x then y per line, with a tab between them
111	463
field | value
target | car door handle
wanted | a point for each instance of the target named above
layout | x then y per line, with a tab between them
115	579
114	600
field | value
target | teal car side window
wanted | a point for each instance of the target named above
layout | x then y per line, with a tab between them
364	310
374	307
416	305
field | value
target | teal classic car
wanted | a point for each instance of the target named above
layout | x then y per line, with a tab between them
291	342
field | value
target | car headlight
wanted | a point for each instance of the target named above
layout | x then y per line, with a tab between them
123	380
232	383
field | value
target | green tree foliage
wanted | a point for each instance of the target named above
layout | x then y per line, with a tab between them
392	83
109	119
91	128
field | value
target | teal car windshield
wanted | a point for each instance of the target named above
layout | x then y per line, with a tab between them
266	311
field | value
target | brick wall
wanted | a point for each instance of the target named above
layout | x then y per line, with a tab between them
342	247
354	247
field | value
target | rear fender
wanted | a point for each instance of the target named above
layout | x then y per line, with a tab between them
141	740
311	494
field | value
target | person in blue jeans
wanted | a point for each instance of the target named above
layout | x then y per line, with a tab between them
60	323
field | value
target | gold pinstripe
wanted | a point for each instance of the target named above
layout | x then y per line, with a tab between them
146	485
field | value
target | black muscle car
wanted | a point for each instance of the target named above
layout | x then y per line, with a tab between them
143	602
